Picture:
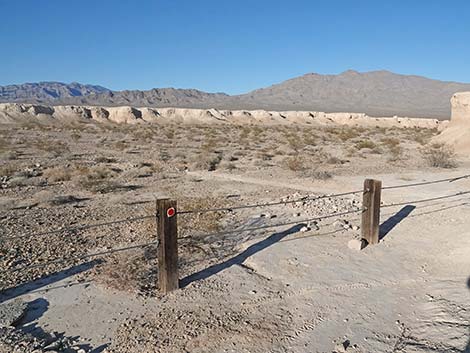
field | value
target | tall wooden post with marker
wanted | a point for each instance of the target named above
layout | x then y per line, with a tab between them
167	245
371	211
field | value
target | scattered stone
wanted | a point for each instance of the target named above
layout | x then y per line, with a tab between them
357	244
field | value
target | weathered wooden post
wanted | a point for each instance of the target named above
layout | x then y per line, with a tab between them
167	245
371	211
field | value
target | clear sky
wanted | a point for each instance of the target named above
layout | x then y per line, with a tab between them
229	46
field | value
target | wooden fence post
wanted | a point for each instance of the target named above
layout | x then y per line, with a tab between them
371	211
167	245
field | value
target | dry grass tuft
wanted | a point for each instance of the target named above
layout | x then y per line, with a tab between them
133	271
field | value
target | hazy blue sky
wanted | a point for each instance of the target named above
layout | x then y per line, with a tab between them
231	46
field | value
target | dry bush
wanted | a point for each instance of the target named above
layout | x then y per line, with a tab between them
75	136
8	170
58	173
169	133
318	174
396	153
295	163
228	166
96	179
145	135
334	160
439	155
422	136
210	144
133	271
207	222
103	159
310	140
121	145
365	144
54	147
348	134
206	161
390	142
9	155
264	156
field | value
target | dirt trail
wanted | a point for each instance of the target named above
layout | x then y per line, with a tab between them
291	291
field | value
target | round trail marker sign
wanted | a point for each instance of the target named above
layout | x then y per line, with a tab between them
170	212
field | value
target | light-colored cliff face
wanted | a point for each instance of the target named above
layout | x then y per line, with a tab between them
457	133
17	113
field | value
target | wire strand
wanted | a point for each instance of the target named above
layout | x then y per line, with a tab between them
83	257
79	228
425	200
302	199
281	224
450	180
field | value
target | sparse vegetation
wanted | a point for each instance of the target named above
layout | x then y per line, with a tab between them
295	163
439	156
58	173
365	144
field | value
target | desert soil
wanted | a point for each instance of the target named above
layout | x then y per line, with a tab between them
295	287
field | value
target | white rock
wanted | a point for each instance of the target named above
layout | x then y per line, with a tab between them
357	244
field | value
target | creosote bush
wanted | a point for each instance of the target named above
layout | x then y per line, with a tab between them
439	155
295	163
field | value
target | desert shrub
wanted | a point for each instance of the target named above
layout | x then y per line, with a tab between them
334	160
310	140
103	159
210	144
295	163
439	155
58	173
295	142
365	144
201	222
56	148
390	142
133	271
169	133
319	174
206	161
9	155
96	179
229	166
396	153
121	145
348	134
75	136
264	156
8	170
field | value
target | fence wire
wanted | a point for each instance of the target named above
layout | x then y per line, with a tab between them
83	257
450	180
425	200
79	228
242	230
268	204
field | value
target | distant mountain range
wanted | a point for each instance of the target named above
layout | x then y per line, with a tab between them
376	93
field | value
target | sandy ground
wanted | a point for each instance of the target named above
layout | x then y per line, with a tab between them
269	290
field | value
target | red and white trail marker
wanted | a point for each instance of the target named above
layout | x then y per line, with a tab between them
170	212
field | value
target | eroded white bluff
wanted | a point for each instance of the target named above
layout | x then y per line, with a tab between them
457	133
17	113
